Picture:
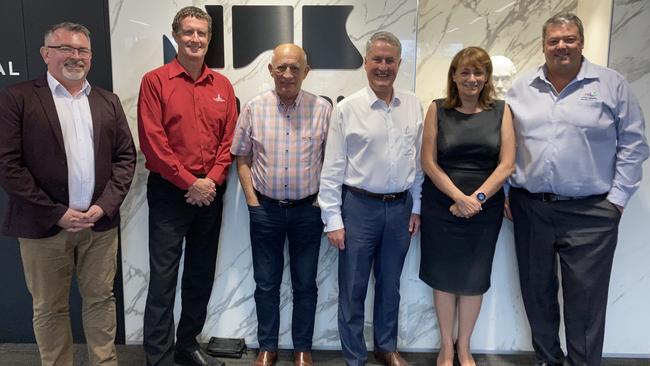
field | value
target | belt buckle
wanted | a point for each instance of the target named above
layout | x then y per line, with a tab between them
284	203
388	197
551	197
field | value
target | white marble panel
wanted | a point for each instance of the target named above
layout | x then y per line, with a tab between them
510	28
503	27
137	29
629	292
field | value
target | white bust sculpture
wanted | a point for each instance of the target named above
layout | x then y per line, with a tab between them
503	70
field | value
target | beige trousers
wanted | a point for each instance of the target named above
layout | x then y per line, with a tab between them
48	264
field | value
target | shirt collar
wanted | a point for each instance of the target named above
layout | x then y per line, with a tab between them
57	88
176	69
295	103
587	71
373	101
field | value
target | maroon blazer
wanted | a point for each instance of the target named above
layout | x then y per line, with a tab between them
33	166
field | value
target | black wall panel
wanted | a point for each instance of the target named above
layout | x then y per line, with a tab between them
13	58
22	24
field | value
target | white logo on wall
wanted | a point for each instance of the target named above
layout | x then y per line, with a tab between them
9	70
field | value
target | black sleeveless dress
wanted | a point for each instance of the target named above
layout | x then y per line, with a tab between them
457	253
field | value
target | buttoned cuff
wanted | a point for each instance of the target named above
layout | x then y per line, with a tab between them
217	176
618	197
183	180
416	206
335	222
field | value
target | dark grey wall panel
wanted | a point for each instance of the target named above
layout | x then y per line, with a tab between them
326	39
22	24
256	29
13	59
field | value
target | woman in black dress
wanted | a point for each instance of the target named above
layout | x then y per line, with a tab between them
468	151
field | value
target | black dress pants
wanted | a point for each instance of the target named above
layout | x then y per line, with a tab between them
171	220
583	234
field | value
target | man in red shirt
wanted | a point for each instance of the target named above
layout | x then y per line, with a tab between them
186	118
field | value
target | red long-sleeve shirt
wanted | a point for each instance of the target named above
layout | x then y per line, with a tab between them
185	126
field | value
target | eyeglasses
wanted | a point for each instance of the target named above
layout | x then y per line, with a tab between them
68	50
280	69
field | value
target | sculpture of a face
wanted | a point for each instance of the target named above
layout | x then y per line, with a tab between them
503	70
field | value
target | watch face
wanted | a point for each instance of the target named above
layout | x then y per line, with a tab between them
481	196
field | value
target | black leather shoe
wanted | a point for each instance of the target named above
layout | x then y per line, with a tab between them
197	357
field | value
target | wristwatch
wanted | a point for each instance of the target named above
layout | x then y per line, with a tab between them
481	197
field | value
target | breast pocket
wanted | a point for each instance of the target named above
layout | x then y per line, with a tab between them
311	147
409	137
593	121
215	115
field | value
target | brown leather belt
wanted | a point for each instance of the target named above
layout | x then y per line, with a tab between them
287	203
386	197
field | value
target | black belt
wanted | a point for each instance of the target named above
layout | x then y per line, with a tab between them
386	197
287	203
552	197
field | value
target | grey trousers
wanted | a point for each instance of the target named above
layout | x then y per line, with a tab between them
583	234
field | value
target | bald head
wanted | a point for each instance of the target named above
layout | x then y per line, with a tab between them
288	69
289	49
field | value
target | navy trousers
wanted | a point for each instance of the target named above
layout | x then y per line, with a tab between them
270	226
376	232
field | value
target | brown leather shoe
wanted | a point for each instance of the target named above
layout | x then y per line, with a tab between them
266	358
302	359
390	358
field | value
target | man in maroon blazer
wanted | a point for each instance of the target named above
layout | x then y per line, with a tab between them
66	162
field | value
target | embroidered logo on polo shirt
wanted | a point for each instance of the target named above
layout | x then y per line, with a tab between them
219	99
590	96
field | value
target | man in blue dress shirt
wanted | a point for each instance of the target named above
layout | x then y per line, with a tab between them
580	146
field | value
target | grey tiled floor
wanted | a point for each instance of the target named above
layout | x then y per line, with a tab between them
27	355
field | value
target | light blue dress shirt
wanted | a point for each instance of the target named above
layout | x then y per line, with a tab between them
588	139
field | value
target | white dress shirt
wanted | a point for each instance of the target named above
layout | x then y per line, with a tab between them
372	146
77	128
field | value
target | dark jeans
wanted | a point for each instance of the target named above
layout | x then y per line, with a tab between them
376	234
583	234
270	225
171	220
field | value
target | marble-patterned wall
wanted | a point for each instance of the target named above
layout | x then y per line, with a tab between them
629	292
511	29
503	27
136	33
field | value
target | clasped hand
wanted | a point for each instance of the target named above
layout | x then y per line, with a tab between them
74	221
466	207
201	192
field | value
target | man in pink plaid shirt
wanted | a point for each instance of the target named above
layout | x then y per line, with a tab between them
279	143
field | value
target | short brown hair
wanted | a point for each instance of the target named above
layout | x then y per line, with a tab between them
194	12
476	57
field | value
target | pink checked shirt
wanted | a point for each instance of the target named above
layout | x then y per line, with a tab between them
286	142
